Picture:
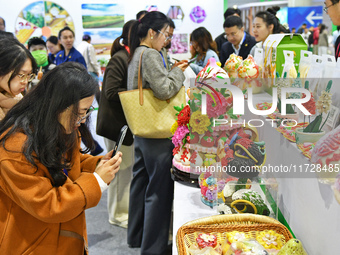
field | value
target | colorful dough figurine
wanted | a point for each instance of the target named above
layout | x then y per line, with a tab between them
231	65
240	152
249	201
293	247
270	240
205	240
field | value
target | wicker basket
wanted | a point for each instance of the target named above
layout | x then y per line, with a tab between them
220	224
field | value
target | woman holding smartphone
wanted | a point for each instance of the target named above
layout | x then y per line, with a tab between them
46	182
151	192
202	47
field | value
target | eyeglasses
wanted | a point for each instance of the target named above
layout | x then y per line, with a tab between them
87	114
24	77
325	9
167	38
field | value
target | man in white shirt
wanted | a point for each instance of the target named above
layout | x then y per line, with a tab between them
89	54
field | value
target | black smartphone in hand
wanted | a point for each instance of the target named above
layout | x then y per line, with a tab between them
191	60
120	140
176	59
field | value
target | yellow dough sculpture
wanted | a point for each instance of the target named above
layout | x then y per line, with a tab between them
293	247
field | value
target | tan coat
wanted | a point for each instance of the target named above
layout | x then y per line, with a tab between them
37	218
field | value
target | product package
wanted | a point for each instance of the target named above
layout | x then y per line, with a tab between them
289	66
274	46
305	63
315	73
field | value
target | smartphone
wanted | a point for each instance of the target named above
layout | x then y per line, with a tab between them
191	60
120	140
176	59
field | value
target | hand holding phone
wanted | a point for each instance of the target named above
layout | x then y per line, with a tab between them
120	140
192	60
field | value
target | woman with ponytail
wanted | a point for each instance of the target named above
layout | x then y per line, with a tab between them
265	23
151	192
110	120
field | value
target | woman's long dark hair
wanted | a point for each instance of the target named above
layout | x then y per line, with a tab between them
37	116
116	46
13	56
204	40
139	29
269	17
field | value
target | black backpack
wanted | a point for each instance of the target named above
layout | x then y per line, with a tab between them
310	38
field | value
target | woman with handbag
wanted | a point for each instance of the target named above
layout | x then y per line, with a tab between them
151	192
110	108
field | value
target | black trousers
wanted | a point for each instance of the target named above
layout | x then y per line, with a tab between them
151	196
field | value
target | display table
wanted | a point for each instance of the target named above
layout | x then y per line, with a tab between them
308	206
187	207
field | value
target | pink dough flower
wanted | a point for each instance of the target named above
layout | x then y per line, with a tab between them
180	133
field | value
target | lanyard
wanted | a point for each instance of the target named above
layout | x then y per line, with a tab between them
163	59
65	171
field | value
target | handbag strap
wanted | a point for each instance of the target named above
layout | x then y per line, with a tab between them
140	83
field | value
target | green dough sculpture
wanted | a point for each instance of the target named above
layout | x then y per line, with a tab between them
293	247
254	198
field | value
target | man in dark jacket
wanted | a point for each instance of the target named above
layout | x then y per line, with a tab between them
222	38
239	41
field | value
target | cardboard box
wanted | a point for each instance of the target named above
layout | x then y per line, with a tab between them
273	48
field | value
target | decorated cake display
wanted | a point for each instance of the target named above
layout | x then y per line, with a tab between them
194	136
201	146
232	64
